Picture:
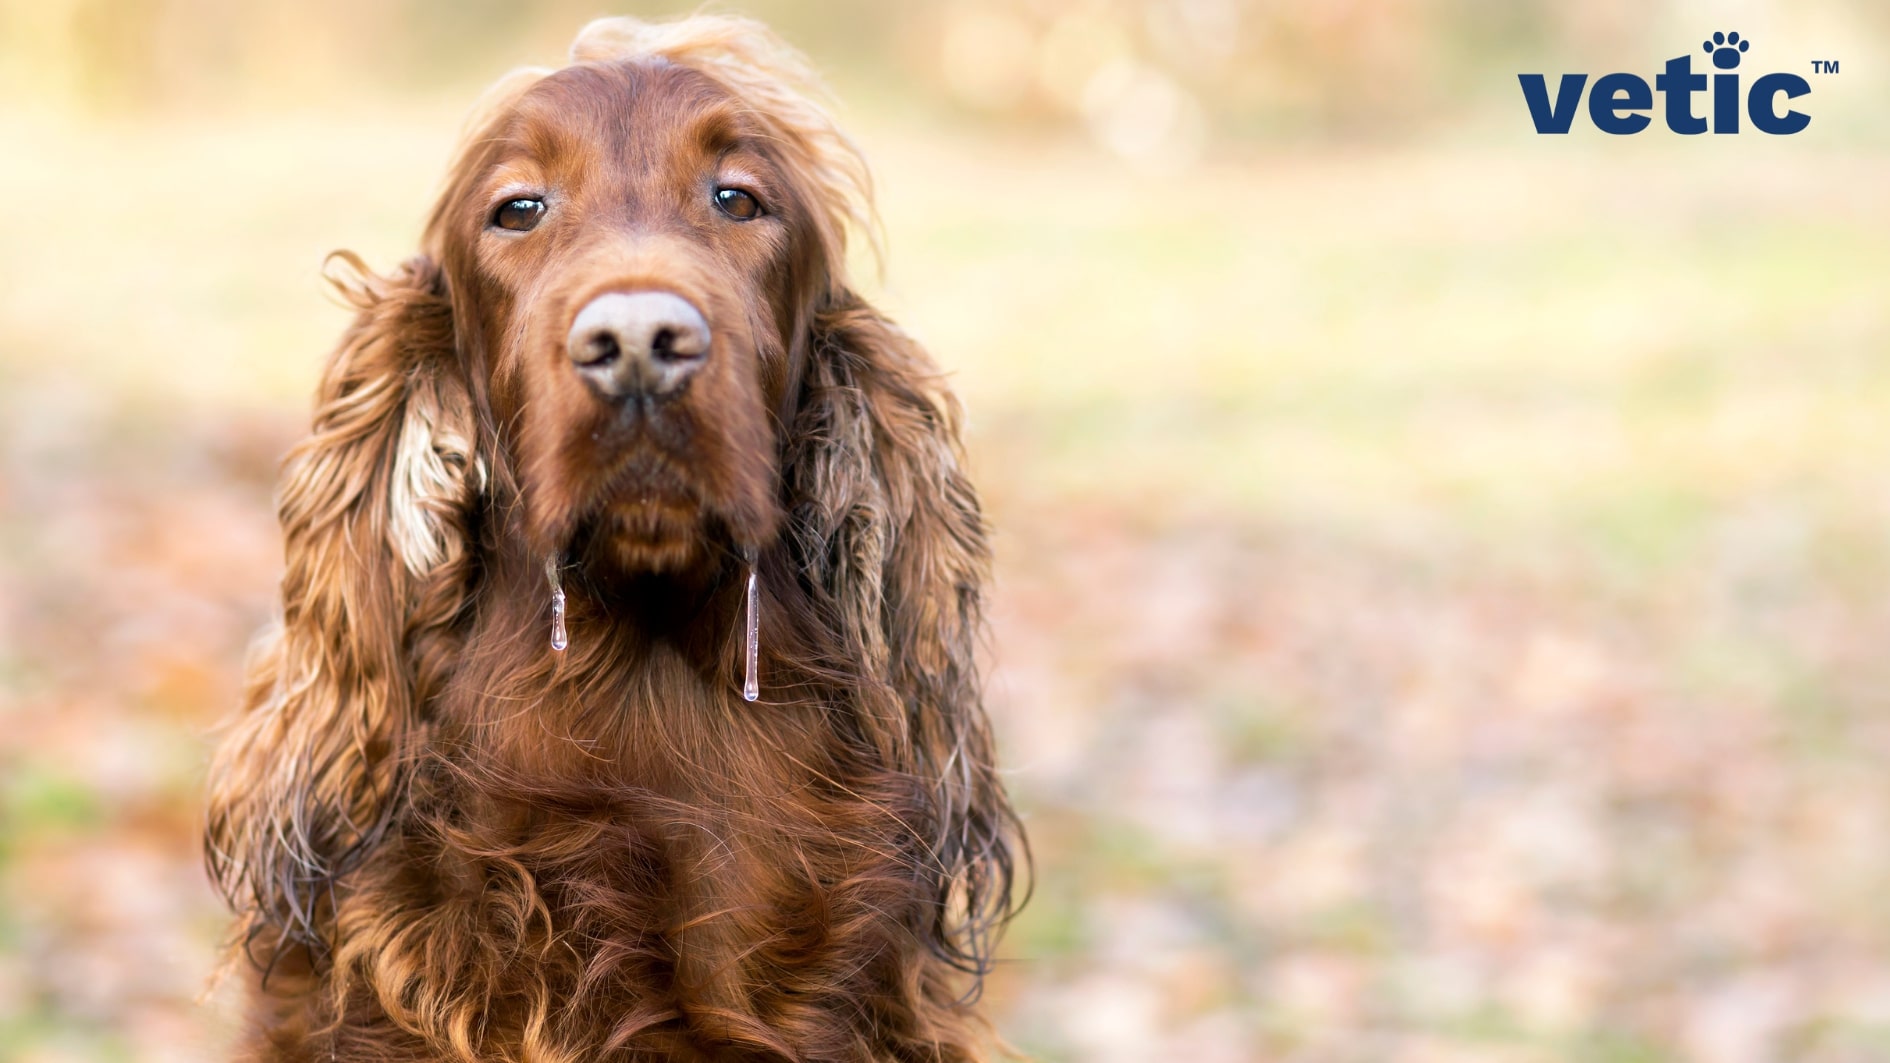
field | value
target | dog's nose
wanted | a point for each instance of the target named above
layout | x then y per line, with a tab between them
638	343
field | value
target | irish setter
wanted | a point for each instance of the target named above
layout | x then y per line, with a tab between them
624	382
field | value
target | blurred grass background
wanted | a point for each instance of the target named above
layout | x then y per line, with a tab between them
1444	573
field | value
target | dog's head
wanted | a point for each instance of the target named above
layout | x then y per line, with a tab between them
635	247
629	344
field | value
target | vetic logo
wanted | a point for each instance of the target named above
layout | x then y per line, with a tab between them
1617	100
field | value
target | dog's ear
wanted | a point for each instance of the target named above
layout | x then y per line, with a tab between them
887	527
375	507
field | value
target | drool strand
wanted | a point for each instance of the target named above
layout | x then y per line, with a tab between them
559	637
751	683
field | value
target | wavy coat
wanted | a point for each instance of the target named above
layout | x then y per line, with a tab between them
445	841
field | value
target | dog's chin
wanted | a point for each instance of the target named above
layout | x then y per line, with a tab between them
646	512
646	533
651	513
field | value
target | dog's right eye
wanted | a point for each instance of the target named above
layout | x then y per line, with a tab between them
519	215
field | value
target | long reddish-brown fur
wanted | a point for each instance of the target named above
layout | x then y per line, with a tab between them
447	841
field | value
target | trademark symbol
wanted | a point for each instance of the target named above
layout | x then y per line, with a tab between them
1824	66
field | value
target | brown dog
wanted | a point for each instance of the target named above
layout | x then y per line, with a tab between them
625	373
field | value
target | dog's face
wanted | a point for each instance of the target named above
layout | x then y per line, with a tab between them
629	253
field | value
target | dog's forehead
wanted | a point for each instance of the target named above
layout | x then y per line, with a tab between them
625	108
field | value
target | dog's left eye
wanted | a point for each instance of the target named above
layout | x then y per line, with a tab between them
738	204
519	215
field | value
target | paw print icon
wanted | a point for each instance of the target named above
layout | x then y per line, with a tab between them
1726	49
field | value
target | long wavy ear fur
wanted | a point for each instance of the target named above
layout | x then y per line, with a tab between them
375	506
889	529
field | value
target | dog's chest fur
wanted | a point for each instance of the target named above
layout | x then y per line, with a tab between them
704	865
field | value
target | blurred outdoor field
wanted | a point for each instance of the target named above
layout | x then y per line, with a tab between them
1443	601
